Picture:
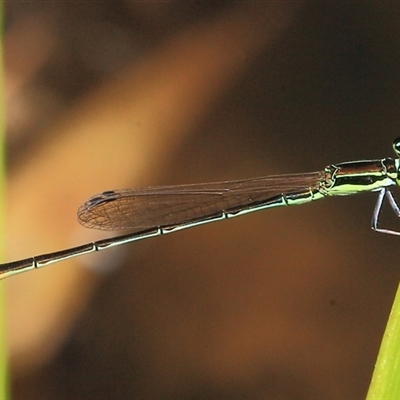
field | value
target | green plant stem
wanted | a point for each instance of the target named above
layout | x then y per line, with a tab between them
385	384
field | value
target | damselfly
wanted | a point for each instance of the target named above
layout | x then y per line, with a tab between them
159	210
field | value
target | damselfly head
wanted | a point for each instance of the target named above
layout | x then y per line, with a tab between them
396	147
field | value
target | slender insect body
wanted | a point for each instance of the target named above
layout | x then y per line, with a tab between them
155	211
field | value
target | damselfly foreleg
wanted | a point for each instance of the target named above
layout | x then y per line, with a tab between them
385	192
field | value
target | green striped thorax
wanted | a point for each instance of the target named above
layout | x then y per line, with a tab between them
362	176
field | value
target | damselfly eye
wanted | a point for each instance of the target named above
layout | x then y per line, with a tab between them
396	146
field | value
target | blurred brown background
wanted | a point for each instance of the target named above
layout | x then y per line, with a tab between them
283	304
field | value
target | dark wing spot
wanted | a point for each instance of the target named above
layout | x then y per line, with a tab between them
101	198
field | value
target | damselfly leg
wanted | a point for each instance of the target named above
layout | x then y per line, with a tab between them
384	193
